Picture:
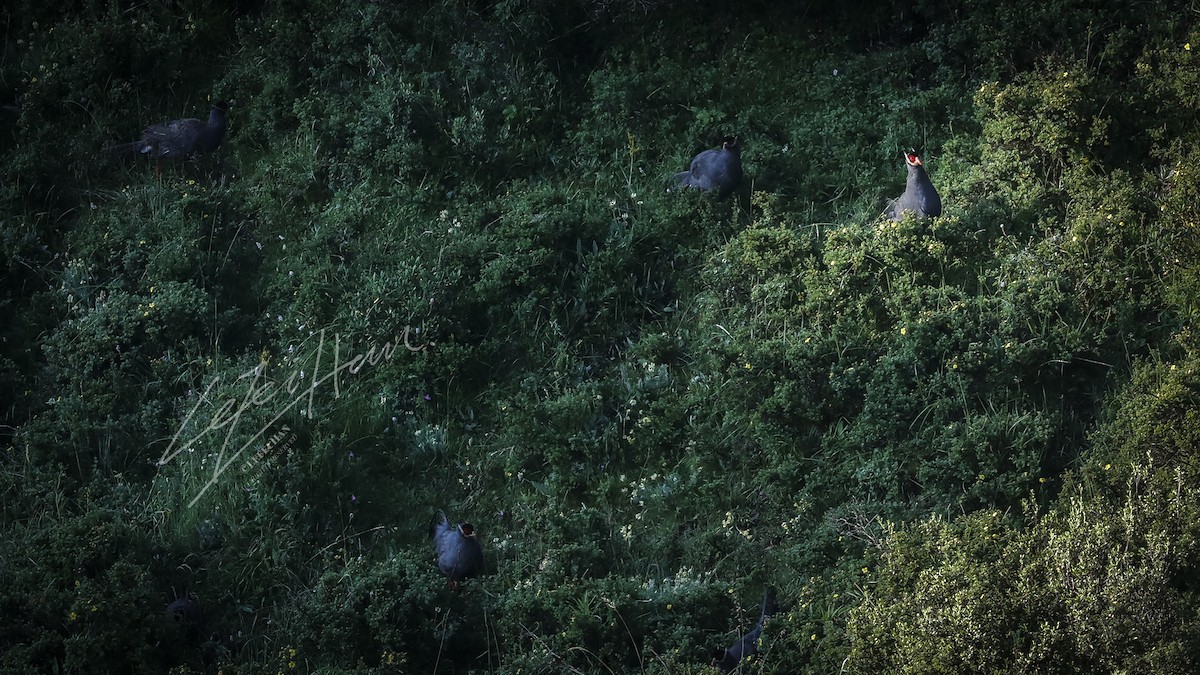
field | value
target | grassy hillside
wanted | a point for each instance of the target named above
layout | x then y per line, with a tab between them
433	266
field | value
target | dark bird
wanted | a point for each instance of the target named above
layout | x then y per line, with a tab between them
919	196
183	616
747	645
458	552
179	139
719	170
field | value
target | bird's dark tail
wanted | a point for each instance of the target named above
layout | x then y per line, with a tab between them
889	209
679	180
125	150
433	526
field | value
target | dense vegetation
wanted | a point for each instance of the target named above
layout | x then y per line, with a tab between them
965	444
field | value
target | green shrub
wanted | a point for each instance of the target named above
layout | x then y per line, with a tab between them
1089	586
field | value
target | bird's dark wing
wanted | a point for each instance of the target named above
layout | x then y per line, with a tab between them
173	139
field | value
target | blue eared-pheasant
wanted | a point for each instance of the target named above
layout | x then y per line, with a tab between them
185	618
179	139
459	555
747	645
719	170
920	197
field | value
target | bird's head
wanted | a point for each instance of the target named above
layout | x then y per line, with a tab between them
467	530
729	143
221	105
912	159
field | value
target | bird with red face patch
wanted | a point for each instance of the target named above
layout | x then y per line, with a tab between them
459	555
179	139
184	618
920	197
719	170
727	660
